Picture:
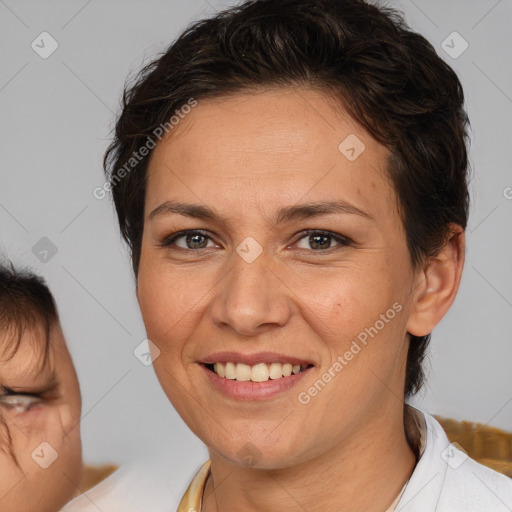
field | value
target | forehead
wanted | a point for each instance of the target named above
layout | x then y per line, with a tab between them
30	351
269	147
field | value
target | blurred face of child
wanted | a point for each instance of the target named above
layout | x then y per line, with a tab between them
40	405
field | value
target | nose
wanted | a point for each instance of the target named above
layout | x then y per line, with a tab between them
251	298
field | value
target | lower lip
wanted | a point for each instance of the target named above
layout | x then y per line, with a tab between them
248	390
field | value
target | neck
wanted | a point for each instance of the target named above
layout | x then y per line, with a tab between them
365	472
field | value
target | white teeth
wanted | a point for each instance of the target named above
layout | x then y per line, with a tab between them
219	369
260	372
276	371
243	372
230	370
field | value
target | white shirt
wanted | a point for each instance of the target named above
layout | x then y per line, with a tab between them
445	479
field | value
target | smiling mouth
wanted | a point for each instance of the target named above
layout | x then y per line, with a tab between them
260	372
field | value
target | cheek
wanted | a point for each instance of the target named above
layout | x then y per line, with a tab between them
26	425
359	319
169	299
342	304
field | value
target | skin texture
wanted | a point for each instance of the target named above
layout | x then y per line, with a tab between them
53	419
246	156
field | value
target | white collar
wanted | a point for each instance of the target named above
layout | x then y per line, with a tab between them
445	479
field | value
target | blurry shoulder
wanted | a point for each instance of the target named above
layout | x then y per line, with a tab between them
151	485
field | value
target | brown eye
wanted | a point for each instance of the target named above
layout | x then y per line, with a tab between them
196	241
322	240
188	240
319	241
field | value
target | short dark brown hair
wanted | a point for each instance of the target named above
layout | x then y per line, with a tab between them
389	79
25	303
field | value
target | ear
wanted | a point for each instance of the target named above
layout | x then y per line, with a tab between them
436	285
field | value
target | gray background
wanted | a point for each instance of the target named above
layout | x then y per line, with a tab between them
56	115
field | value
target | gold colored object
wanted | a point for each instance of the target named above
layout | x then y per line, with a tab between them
193	497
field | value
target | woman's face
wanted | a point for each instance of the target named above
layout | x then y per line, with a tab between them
40	448
272	278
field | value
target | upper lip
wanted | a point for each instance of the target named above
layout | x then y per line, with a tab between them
252	359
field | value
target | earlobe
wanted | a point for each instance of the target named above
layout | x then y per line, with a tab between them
437	285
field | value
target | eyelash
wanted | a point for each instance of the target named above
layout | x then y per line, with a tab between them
342	240
15	402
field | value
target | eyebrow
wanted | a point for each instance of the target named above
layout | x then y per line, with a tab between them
285	214
49	386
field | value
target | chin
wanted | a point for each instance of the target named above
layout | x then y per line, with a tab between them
257	455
